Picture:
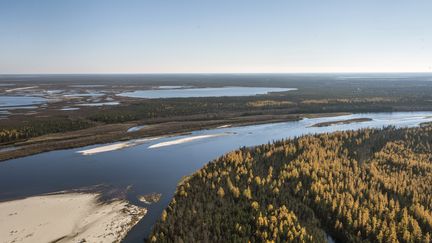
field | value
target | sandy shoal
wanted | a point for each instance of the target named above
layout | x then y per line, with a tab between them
116	146
69	217
185	140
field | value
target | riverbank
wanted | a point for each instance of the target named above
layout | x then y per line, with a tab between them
118	132
76	217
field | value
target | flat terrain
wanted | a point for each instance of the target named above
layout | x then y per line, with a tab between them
73	111
87	109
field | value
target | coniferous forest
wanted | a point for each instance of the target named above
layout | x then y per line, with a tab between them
371	185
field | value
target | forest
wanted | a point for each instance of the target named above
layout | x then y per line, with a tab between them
37	127
370	185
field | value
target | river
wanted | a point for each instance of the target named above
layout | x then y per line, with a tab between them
156	165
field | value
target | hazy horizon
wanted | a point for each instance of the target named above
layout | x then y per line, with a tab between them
86	37
215	73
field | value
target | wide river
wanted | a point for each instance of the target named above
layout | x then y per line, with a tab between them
157	165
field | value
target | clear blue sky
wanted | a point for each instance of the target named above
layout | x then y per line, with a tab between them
162	36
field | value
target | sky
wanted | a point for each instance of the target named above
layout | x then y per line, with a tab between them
218	36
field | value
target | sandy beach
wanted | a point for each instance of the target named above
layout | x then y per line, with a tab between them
22	88
68	217
116	146
185	140
136	142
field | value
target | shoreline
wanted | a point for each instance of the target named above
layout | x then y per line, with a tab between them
112	133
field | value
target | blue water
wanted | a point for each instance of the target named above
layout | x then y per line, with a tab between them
16	101
159	169
202	92
136	128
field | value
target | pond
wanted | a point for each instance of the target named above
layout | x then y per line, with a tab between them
11	102
176	92
156	165
136	128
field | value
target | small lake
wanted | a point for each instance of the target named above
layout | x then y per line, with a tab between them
100	103
157	165
175	92
136	128
89	94
11	102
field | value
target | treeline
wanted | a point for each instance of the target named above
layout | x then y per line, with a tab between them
273	104
163	108
33	128
355	186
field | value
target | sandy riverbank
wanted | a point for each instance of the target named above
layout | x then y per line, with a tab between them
67	217
116	146
185	140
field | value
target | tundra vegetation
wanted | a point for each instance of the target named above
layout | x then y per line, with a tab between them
315	94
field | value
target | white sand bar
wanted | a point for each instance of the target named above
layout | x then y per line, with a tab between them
185	140
23	88
116	146
224	126
105	148
69	217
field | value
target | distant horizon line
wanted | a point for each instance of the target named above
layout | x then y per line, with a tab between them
217	73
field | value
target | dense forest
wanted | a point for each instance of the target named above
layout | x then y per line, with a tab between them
32	128
370	185
245	106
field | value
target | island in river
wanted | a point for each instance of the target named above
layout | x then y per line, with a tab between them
150	198
349	121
